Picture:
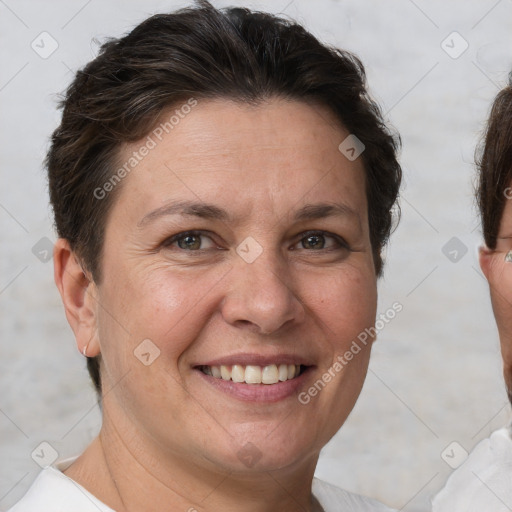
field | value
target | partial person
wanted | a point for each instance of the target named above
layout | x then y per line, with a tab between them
484	481
223	186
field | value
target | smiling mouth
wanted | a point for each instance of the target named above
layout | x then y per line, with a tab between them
252	374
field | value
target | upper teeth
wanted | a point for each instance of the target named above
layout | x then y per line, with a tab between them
251	374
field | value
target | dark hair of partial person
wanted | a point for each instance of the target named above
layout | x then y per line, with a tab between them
494	160
201	52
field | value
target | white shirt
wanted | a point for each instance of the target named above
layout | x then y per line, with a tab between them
484	481
53	491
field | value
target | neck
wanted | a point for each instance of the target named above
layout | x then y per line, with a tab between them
127	475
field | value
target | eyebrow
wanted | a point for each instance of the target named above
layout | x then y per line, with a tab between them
213	212
186	208
323	210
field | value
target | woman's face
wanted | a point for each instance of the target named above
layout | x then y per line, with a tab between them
238	245
499	274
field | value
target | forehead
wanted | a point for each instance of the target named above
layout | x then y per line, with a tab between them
270	156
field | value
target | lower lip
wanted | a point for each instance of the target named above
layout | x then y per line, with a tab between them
267	393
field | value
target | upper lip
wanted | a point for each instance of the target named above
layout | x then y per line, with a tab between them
246	359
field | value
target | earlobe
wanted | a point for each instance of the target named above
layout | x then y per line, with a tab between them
77	293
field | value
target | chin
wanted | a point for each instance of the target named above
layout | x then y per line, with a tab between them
262	454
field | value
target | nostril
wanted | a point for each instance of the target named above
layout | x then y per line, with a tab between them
247	324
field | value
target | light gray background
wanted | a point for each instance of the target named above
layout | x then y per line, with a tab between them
435	375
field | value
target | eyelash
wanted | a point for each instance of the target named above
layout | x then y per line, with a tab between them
341	243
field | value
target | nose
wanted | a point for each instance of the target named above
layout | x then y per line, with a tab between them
262	296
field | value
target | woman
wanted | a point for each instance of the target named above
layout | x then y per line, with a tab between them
222	187
484	481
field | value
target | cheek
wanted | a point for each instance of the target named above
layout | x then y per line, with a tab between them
346	307
500	283
345	302
501	298
170	308
159	305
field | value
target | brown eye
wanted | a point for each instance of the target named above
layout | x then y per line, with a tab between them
313	242
320	240
189	242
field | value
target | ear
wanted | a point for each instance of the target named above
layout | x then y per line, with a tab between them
485	259
78	293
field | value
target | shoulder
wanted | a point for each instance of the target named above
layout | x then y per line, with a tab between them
53	491
483	481
333	499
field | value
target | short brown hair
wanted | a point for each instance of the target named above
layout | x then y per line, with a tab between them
495	165
202	52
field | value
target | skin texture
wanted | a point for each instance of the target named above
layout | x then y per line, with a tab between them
499	275
170	440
